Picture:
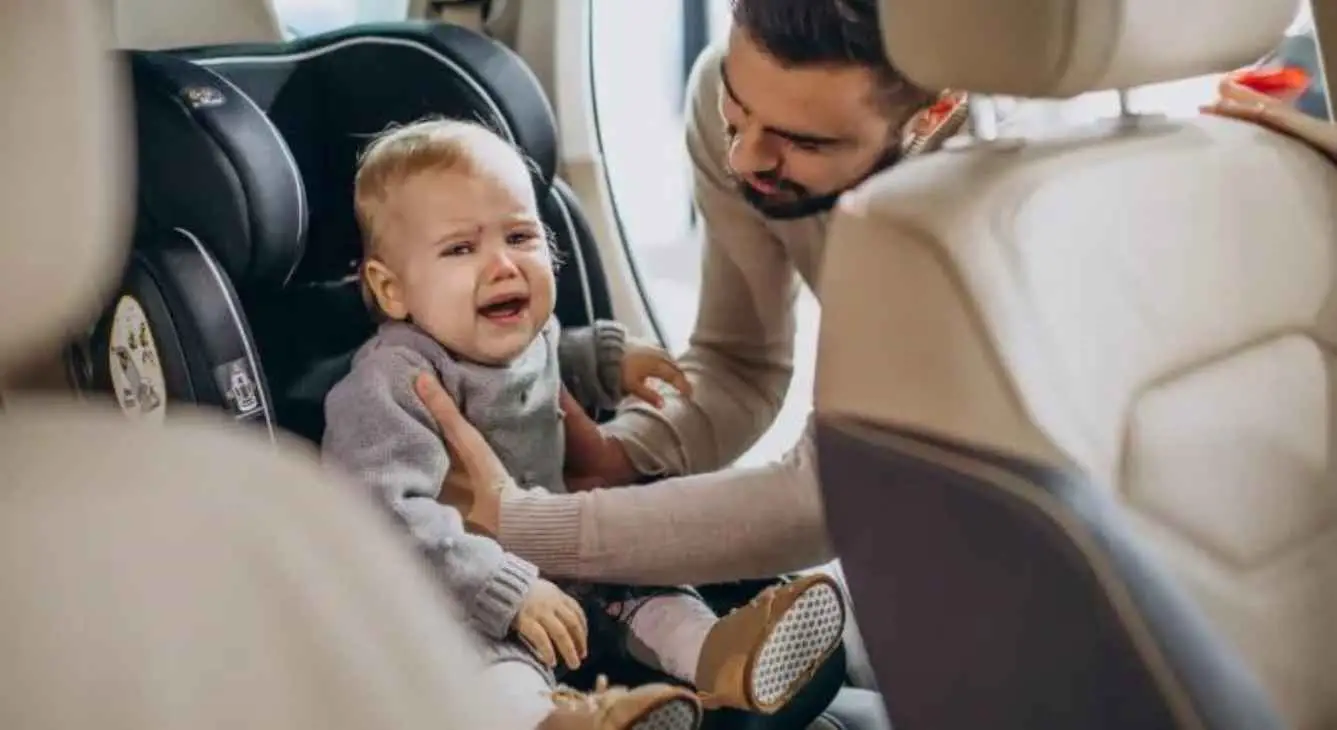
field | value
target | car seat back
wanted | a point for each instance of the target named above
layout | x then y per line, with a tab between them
1093	411
328	95
188	576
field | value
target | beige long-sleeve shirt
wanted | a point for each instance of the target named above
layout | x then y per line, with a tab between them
716	525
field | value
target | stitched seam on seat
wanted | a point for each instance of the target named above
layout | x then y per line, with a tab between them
235	311
474	85
576	250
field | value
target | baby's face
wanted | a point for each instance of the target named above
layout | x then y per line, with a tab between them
468	261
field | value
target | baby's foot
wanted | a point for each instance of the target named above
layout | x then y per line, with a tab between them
648	707
760	655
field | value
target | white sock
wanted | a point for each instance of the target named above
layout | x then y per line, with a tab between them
668	632
525	690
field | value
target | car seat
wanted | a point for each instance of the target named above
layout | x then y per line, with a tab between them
327	95
221	221
1080	460
190	575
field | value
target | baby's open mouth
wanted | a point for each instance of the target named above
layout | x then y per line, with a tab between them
505	308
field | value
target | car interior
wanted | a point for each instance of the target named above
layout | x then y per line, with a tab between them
1106	502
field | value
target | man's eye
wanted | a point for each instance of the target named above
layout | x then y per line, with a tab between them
458	249
519	238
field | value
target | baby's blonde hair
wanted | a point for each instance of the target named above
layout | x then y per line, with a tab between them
429	145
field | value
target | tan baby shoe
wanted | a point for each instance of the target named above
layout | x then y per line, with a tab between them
760	655
648	707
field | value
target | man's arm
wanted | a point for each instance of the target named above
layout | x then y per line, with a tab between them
378	431
590	360
740	357
734	524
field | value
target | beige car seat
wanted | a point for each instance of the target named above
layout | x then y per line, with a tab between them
183	577
1077	392
156	24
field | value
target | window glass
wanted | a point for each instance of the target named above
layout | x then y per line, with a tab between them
639	79
308	17
638	84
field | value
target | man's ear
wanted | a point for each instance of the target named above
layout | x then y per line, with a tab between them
385	292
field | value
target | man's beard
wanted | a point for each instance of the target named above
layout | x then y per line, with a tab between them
792	200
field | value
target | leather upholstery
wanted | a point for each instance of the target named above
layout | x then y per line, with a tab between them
194	346
1061	48
1082	454
221	216
212	163
328	94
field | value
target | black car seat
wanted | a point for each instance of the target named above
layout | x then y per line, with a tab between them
327	95
220	219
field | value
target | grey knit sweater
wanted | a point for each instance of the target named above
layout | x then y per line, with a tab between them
378	431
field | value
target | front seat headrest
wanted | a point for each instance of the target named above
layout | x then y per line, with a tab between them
1061	48
67	175
156	25
212	163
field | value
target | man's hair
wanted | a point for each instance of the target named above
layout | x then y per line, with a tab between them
827	33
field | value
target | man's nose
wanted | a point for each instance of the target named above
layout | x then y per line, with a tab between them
752	152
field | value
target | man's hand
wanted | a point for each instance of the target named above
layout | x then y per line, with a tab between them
593	460
642	364
552	624
1240	102
477	477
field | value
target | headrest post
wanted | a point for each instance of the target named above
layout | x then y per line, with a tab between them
1125	105
983	118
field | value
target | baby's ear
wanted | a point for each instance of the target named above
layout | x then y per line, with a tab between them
381	291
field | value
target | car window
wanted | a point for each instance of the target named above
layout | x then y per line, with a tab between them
308	17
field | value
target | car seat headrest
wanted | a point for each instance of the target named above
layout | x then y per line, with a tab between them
1061	48
65	151
330	94
211	163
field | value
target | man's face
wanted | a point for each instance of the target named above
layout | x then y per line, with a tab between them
801	136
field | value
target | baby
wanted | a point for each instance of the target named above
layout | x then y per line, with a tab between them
459	266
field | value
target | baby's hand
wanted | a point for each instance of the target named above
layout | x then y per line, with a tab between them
641	364
552	623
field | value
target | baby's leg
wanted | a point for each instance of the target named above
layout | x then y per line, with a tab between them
756	658
666	631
